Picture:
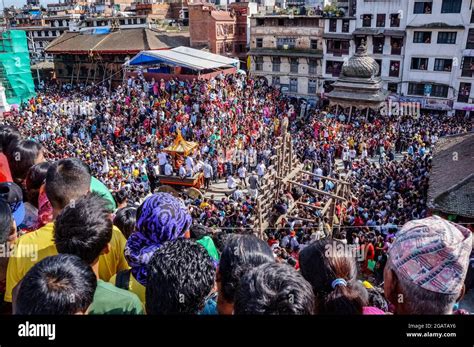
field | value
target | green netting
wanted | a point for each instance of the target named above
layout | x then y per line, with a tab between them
15	71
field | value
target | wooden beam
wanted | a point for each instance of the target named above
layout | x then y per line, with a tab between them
325	177
309	205
322	192
301	218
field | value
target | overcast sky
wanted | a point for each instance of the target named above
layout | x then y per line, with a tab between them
20	3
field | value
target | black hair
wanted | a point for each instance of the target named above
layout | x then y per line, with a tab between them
21	156
6	221
181	276
125	219
8	135
321	262
84	228
198	231
34	179
66	180
121	196
241	253
273	289
58	285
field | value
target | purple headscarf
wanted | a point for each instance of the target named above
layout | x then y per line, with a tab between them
160	218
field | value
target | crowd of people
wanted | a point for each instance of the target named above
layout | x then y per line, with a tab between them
67	170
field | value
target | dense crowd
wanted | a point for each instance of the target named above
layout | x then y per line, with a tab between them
70	168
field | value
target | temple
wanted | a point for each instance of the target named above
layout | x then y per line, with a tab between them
359	86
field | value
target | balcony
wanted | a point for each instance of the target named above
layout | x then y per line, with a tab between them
290	52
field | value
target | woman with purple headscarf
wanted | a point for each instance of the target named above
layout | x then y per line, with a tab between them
160	218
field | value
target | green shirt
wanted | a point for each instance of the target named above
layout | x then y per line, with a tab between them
109	299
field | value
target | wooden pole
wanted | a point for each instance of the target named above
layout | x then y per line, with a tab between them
322	192
325	177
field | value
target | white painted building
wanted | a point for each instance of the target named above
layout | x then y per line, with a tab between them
436	35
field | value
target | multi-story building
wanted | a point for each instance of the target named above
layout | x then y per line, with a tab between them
436	42
287	49
221	31
464	100
381	24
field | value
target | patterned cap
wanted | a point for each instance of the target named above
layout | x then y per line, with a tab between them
433	254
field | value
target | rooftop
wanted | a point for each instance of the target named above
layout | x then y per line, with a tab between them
123	41
451	185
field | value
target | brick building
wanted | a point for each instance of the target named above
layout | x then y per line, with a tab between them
222	32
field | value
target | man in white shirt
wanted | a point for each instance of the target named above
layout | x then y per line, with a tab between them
207	168
261	171
242	171
231	182
162	161
182	172
168	169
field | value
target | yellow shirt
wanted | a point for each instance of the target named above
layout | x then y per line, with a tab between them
37	245
134	286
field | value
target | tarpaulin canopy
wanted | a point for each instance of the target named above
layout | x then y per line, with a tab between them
181	146
185	57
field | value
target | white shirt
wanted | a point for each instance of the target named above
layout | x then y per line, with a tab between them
242	171
231	183
261	169
168	170
207	170
162	159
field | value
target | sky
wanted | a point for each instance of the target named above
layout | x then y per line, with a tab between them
20	3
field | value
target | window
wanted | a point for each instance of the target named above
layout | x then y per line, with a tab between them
378	42
379	62
333	25
394	20
451	6
276	62
464	92
419	63
394	68
314	44
366	20
345	25
338	47
443	65
259	43
439	91
285	43
333	68
447	37
294	85
258	63
380	23
467	66
470	39
392	87
416	89
422	37
396	45
312	86
260	22
312	66
422	7
275	81
294	65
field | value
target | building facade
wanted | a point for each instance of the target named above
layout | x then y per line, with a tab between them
436	39
287	49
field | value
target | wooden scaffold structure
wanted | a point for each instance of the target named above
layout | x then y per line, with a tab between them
286	172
